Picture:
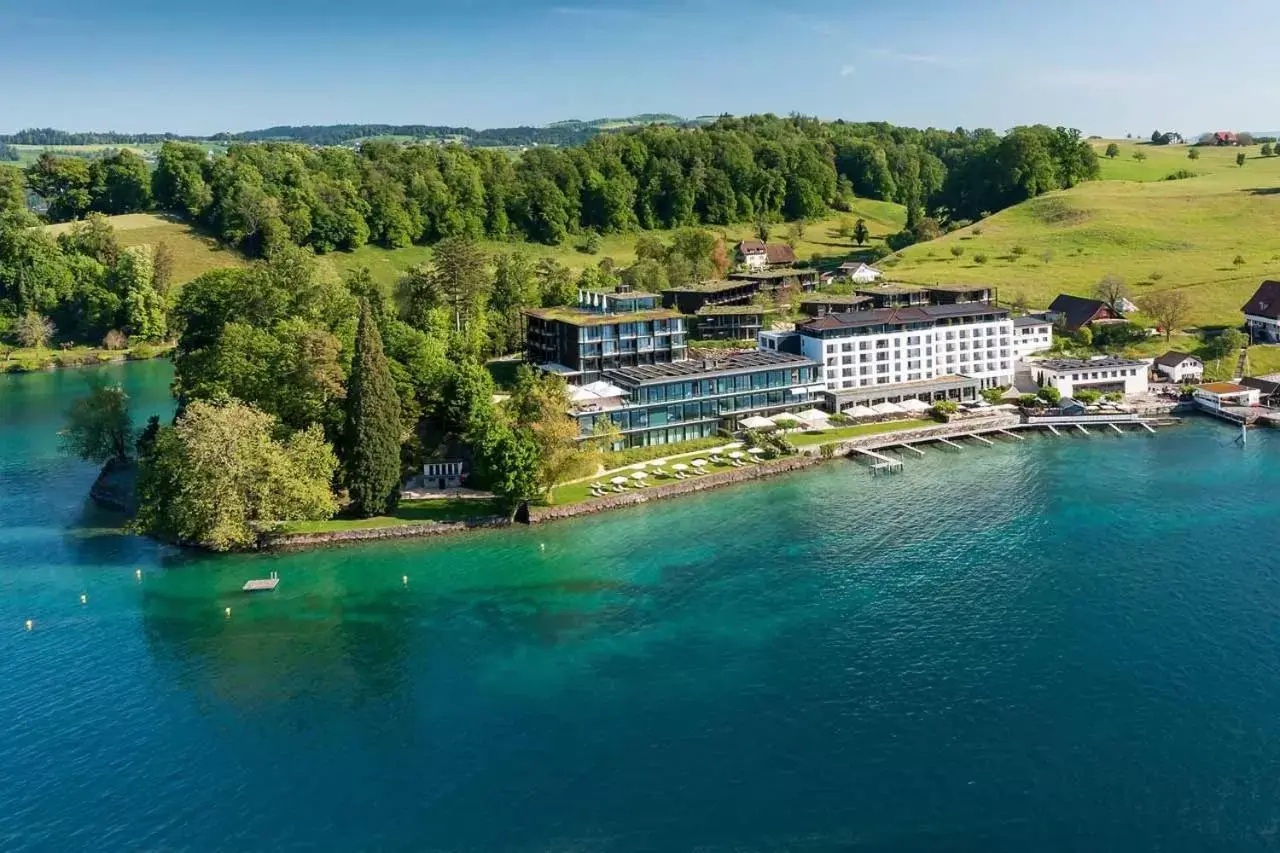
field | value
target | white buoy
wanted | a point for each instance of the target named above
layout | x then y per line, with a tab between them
84	599
542	546
228	612
405	580
29	624
138	574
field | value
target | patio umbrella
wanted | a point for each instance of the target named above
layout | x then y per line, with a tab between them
888	409
639	466
859	412
914	405
698	463
737	454
680	466
618	481
757	422
657	463
733	445
639	475
755	451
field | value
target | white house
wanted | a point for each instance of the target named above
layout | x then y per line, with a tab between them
1032	333
1180	367
918	343
1262	313
1105	374
752	254
1220	394
858	272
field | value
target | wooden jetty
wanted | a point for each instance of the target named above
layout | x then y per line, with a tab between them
985	441
1082	429
1013	434
950	443
1117	429
883	463
1147	426
262	584
917	451
1052	430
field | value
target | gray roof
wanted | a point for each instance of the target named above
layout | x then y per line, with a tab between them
1060	364
1173	358
697	368
1031	320
901	316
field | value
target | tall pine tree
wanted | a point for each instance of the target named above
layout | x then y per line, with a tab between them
372	432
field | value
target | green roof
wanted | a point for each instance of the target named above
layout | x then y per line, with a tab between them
708	287
732	309
579	317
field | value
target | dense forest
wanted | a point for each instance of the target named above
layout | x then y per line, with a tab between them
261	196
49	136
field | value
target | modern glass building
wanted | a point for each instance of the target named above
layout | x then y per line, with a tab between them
668	403
605	331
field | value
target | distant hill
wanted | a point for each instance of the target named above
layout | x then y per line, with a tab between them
561	133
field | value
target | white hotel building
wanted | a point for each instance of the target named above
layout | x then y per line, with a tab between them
891	346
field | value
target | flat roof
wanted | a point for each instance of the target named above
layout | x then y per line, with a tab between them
789	272
891	288
1224	388
958	288
908	314
582	317
753	310
1060	364
708	286
699	368
1031	320
833	299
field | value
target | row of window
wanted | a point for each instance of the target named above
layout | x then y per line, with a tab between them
698	388
633	417
613	331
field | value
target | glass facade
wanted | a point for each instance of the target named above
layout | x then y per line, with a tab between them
696	407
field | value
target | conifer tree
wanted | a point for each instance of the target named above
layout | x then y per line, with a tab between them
372	430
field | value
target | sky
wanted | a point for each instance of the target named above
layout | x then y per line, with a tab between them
1108	68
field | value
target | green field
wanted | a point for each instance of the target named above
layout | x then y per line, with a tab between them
819	243
1155	234
193	252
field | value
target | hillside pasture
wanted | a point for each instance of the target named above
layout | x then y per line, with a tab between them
193	252
1215	237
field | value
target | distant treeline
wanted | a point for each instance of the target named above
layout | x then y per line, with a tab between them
49	136
736	170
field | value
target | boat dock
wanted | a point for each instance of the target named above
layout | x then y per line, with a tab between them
262	584
883	464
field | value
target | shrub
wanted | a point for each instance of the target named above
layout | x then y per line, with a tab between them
1084	336
840	419
944	409
1117	335
1156	275
979	258
1050	395
880	252
1088	396
977	231
1180	175
632	455
1238	260
1046	256
1114	396
1019	251
1028	401
994	396
115	340
957	251
590	243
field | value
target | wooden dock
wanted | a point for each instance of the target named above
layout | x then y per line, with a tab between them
1052	430
262	584
917	451
951	443
985	441
1147	426
1013	434
883	464
1117	429
1082	429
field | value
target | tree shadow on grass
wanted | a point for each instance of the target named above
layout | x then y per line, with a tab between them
1262	190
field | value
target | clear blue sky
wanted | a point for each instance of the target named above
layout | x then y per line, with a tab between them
1105	67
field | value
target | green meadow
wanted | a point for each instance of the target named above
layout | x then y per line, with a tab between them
1214	236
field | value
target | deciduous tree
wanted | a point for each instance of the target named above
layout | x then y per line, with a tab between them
1113	150
1111	289
1168	308
99	428
860	232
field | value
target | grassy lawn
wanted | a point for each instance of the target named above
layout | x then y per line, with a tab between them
24	360
408	512
819	243
193	252
1155	234
809	439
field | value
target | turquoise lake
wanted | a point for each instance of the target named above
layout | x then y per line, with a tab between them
1059	644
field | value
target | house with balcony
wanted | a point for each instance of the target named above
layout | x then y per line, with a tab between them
696	398
1032	333
1262	313
604	331
755	254
728	323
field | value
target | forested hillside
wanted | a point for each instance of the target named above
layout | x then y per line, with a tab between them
735	170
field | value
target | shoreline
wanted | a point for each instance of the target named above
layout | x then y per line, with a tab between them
809	458
68	360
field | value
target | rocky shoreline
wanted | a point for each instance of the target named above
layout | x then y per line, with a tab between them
539	515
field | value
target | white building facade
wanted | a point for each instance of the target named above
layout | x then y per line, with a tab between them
1106	375
1180	367
920	343
1031	334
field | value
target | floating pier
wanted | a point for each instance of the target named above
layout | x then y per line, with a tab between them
262	584
884	464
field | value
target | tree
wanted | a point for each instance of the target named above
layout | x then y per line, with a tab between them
1265	150
1240	158
1088	396
540	405
1139	156
844	227
1229	342
514	288
957	251
372	429
34	331
514	458
555	283
459	275
1168	308
1084	336
1193	154
1238	260
162	263
1111	289
762	230
115	340
99	428
979	258
860	232
1113	150
1050	395
218	477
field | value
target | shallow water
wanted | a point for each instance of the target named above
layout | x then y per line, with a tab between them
1056	644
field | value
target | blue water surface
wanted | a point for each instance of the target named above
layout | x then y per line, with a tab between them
1056	644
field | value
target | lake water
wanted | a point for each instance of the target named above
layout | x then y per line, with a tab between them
1055	645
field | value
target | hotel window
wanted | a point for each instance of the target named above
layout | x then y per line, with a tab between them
848	371
848	359
831	347
864	345
882	344
846	347
864	358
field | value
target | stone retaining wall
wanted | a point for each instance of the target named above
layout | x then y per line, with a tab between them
284	541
